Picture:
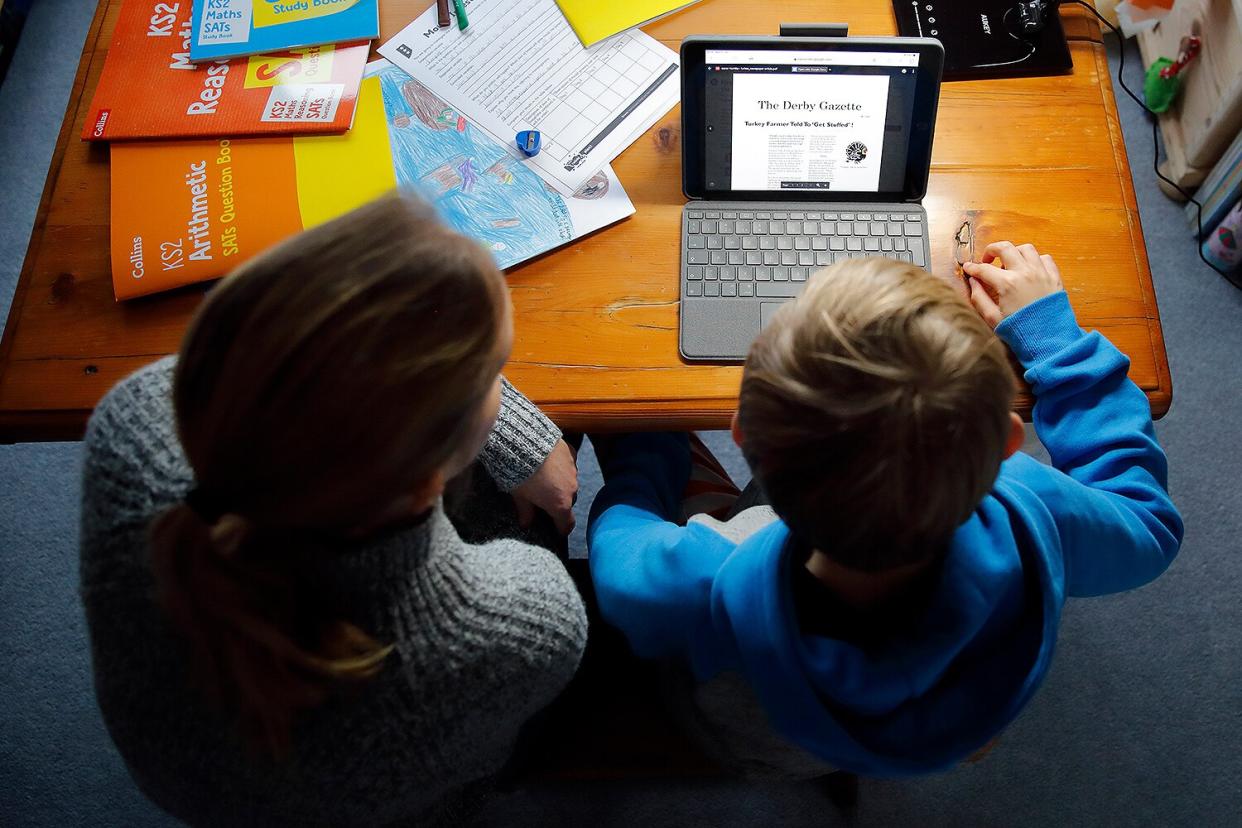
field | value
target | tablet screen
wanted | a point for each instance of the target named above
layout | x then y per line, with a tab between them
808	122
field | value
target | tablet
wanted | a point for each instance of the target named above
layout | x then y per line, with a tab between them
854	116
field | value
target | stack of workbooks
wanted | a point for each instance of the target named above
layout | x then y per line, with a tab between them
1219	191
280	124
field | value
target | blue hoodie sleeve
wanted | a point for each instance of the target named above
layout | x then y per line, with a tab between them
652	577
1118	528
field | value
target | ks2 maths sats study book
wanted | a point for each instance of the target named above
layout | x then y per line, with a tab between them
232	28
150	89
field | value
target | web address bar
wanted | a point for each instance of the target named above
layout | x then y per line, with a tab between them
816	58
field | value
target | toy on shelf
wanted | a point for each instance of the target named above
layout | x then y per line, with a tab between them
1164	77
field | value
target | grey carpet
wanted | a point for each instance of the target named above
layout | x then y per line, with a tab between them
1139	722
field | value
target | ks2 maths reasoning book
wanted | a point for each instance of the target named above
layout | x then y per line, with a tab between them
150	89
232	28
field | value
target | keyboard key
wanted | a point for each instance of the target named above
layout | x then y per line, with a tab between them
728	273
694	289
827	228
912	217
850	244
759	228
886	244
914	229
732	243
696	256
719	257
831	217
871	244
778	290
729	215
695	214
864	217
696	243
711	289
899	243
771	257
712	214
743	228
814	216
845	228
746	273
735	257
714	242
779	215
799	274
753	257
836	243
894	228
796	216
780	274
763	216
819	243
767	243
693	227
729	289
746	215
823	259
844	216
784	243
746	289
917	252
695	273
711	226
713	274
763	275
788	257
750	243
802	243
806	258
727	227
877	228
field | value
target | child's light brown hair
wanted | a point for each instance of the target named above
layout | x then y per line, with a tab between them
874	411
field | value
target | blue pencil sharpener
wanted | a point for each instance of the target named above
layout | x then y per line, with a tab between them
528	142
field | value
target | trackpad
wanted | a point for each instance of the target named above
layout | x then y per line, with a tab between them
767	310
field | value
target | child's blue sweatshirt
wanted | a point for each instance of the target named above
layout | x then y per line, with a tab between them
1101	521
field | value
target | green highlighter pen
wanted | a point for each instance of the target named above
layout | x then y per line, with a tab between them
460	6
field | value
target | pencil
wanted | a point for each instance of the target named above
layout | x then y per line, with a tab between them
462	22
442	13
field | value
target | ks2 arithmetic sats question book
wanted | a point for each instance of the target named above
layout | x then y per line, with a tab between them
232	28
150	89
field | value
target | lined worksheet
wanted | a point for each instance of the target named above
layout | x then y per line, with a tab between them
520	66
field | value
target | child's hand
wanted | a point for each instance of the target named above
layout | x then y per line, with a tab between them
998	292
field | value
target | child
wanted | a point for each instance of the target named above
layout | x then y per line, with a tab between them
286	629
896	605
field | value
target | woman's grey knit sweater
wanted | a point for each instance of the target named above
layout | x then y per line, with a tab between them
485	635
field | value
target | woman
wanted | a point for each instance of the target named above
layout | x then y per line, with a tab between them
286	627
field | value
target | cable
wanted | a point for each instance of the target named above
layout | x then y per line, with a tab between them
1155	137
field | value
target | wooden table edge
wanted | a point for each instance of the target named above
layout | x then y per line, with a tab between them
89	51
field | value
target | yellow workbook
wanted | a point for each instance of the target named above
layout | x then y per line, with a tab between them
593	20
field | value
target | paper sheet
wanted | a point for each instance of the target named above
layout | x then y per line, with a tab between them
520	66
479	187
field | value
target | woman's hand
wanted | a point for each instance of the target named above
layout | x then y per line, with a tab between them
1000	292
553	488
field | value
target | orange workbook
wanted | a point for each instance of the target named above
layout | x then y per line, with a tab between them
191	211
149	88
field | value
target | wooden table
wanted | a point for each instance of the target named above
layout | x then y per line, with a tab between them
1039	160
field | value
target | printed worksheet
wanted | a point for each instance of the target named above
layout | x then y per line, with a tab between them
808	132
520	66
